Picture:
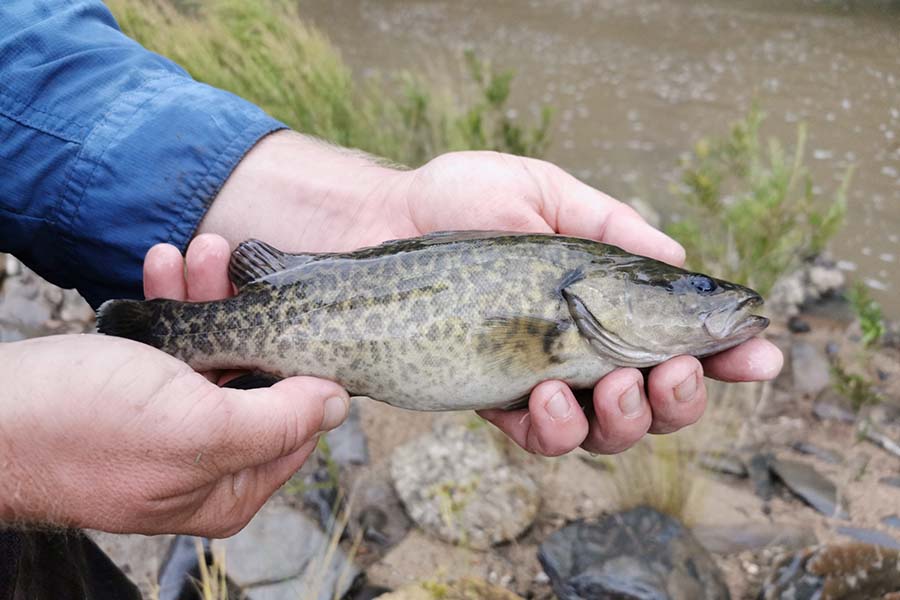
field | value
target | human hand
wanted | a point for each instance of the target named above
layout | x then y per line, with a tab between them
339	201
111	434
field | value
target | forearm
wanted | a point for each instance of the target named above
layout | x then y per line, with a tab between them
291	189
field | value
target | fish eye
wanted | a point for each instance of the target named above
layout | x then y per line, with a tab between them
702	284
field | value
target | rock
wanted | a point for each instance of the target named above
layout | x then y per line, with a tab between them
755	535
892	481
456	484
761	475
787	295
24	312
469	588
639	554
834	572
368	592
823	454
892	521
377	510
869	536
811	486
723	462
798	325
825	278
181	567
810	368
831	406
282	554
75	308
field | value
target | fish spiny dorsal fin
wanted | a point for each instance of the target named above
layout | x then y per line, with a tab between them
254	260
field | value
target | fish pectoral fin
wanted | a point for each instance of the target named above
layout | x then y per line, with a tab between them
254	260
252	380
525	344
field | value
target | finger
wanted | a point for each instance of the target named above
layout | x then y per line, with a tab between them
577	209
677	394
262	425
754	360
622	413
553	424
207	268
164	273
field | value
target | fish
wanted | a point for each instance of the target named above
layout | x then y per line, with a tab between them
447	321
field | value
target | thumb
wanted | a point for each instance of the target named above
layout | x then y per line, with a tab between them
266	424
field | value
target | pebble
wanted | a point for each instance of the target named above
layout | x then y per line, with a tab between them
811	486
810	368
723	462
823	454
798	325
891	521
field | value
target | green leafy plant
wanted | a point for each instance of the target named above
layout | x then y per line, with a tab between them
868	311
858	389
751	214
262	50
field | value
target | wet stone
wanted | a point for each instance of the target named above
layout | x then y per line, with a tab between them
823	454
810	368
869	536
811	486
635	555
837	571
456	484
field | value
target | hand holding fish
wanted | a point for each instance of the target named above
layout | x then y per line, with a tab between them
121	437
302	196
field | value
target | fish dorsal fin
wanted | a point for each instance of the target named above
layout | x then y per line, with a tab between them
254	260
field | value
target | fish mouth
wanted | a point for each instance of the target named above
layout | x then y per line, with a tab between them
737	323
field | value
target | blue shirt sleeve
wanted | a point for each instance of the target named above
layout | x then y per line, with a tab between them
105	147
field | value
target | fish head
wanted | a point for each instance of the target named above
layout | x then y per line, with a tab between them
642	312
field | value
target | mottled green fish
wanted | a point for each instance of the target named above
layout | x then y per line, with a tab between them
448	321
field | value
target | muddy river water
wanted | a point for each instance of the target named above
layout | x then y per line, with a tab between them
636	83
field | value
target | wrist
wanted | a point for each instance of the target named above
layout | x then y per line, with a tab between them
300	194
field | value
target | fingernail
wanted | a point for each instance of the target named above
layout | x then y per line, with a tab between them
685	391
336	409
630	403
558	406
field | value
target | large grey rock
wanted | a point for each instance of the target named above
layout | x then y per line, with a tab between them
456	484
836	572
640	554
283	554
810	368
810	485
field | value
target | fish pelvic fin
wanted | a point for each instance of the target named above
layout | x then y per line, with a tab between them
132	319
254	260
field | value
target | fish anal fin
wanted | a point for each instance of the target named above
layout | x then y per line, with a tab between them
254	260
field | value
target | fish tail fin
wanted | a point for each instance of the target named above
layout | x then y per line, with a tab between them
132	319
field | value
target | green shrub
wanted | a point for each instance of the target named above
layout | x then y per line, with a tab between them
751	214
868	311
262	50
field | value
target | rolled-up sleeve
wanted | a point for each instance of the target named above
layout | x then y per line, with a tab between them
105	147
